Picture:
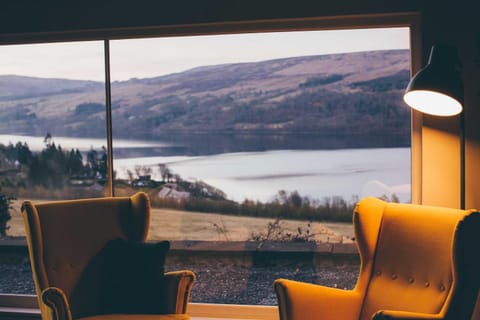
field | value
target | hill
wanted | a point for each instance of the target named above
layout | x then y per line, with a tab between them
352	94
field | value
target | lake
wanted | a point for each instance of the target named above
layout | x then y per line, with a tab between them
315	173
260	175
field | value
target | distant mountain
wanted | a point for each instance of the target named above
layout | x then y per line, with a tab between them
18	87
346	94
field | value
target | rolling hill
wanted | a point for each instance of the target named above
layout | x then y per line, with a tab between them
348	94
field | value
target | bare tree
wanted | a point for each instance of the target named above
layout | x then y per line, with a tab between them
165	172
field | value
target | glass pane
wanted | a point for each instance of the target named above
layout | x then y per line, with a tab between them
52	133
254	149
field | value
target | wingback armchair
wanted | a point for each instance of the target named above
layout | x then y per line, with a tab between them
417	262
65	237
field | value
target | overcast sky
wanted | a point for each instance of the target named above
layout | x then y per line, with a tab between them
143	58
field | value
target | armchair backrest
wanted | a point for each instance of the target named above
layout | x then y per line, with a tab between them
413	258
64	238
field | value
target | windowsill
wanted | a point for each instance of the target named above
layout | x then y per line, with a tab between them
22	306
19	313
204	311
25	307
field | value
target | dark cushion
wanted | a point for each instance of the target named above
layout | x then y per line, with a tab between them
134	281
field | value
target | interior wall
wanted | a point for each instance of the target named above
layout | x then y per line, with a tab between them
471	73
29	21
441	162
453	23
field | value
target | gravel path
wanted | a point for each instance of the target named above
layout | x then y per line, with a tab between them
16	278
220	283
254	285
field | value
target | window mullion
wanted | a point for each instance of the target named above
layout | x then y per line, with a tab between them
108	110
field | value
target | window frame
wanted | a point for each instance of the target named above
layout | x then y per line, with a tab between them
22	305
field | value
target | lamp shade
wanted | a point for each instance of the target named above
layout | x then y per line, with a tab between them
437	89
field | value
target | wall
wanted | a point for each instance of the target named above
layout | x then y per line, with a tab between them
25	17
454	23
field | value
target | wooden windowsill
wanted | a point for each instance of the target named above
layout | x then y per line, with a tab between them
24	307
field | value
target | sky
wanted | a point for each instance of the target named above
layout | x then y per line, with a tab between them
144	58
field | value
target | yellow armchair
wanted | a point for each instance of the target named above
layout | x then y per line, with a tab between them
417	262
64	237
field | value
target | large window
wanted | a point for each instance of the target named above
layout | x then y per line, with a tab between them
46	92
249	145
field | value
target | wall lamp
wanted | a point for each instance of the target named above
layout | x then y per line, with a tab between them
437	89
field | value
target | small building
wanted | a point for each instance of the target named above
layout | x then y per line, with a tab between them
168	192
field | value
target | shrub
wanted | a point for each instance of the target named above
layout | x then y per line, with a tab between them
276	232
5	206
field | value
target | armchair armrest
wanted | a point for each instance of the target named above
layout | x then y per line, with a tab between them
300	301
179	286
56	300
404	315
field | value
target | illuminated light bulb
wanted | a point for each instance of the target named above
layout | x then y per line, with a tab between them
433	103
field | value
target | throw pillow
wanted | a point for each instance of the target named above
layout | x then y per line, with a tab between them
134	277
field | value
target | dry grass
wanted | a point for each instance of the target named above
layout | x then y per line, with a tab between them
183	225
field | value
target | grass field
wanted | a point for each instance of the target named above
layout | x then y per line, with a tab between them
184	225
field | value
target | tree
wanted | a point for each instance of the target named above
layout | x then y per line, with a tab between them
5	206
97	163
92	161
164	172
48	139
48	168
142	170
52	167
103	163
74	162
295	199
23	153
130	175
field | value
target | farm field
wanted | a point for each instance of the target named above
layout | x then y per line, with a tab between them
172	224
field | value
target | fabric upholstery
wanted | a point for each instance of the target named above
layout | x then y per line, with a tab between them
134	277
64	239
417	262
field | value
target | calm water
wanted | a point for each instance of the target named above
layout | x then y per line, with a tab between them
260	175
316	173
